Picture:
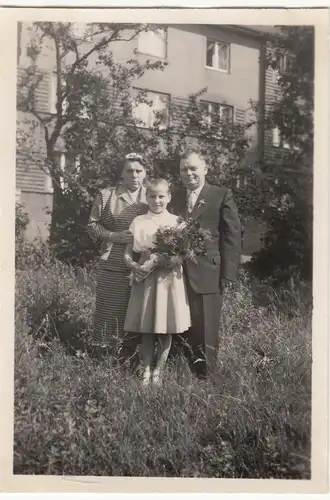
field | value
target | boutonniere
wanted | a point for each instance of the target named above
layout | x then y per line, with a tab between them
201	203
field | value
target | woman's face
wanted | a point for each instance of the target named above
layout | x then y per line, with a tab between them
133	175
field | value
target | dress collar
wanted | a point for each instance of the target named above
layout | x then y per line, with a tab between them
152	215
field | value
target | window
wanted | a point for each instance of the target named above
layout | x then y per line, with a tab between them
275	75
70	166
279	66
215	111
18	195
241	181
276	137
153	43
278	141
48	184
151	109
53	93
218	55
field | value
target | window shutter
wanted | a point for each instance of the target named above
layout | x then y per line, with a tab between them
240	116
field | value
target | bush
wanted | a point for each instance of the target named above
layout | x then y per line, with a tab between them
80	417
28	254
288	242
54	304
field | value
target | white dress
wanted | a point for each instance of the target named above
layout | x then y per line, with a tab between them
159	304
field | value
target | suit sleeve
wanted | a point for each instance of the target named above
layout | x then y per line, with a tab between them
230	238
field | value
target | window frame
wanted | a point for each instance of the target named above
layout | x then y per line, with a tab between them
147	127
146	53
216	41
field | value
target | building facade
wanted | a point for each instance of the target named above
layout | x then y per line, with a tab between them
227	60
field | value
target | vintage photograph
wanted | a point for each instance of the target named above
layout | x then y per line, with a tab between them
164	250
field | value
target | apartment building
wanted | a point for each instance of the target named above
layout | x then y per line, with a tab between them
228	60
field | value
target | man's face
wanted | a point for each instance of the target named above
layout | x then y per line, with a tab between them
193	171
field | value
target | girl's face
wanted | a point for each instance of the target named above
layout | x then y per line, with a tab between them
158	198
133	175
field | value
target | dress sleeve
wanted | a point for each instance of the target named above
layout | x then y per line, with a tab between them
95	229
133	228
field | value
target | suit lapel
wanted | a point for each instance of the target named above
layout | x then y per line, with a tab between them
180	203
201	202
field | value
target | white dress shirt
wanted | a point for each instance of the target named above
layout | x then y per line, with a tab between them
192	198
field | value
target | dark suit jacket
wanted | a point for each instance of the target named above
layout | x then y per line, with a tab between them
215	210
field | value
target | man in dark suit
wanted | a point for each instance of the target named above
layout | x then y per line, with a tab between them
215	209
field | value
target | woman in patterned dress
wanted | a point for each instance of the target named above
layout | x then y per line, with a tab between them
112	213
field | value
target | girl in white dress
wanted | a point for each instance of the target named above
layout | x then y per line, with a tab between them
158	305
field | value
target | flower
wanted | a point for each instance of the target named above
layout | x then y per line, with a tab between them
201	203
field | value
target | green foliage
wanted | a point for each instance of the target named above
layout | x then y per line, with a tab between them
251	420
288	242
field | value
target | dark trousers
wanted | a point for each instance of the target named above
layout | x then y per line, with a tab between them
200	343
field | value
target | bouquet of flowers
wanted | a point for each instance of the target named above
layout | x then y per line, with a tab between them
173	245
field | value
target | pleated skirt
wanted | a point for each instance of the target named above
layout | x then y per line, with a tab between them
159	305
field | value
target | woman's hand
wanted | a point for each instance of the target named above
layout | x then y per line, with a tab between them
140	273
123	237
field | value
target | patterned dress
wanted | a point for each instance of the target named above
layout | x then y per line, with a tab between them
113	210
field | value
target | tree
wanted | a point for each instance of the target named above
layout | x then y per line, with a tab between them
78	85
94	118
289	240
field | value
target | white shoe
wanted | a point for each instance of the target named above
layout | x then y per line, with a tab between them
146	378
157	379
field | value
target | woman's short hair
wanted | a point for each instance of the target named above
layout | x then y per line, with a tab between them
134	157
127	158
156	182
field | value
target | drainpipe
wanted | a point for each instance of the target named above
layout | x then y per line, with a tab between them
262	101
19	39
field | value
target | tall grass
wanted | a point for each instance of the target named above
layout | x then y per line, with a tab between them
83	416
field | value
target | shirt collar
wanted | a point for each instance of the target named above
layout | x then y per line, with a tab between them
197	191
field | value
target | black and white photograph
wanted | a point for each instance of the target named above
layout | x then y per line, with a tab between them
164	249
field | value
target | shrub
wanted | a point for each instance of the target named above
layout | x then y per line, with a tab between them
54	304
28	254
288	242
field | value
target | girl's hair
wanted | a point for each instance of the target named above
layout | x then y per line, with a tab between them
154	183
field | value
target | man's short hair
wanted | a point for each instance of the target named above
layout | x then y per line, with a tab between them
192	151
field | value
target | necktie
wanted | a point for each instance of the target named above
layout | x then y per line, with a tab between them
191	201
